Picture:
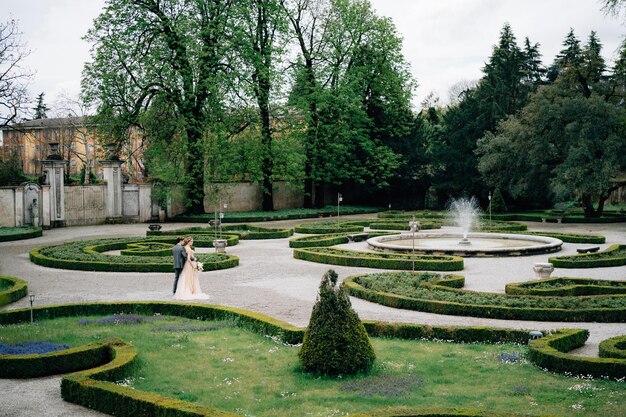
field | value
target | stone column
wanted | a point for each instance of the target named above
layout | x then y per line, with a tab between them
19	207
54	169
113	193
45	207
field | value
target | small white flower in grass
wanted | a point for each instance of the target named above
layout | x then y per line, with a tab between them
228	360
578	407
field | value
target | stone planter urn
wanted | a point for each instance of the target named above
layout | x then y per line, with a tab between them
220	245
543	270
154	227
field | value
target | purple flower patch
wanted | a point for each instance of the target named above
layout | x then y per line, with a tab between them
29	348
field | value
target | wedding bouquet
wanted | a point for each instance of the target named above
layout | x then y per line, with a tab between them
199	266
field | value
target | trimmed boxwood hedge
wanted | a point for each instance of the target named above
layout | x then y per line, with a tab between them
404	225
17	233
86	256
614	255
243	231
267	216
382	260
328	227
571	237
91	388
550	353
460	302
326	240
408	215
566	287
53	363
614	347
15	289
550	216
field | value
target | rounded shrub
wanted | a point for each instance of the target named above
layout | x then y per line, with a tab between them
336	342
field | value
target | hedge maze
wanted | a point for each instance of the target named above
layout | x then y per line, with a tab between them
98	365
136	255
443	294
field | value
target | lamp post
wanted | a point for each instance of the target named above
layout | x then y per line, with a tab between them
31	298
414	227
489	208
339	200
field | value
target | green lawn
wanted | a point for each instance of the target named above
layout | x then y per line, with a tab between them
219	365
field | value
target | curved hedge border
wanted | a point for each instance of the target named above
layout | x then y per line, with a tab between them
550	353
614	347
382	260
566	287
614	255
550	216
326	240
86	256
591	314
17	233
243	231
53	363
286	214
17	289
571	237
328	227
91	388
499	226
393	225
408	215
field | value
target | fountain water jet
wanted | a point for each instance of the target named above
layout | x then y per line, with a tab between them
465	212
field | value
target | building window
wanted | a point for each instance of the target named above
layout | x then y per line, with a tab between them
90	147
36	134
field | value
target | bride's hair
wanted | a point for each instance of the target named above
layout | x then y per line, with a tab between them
187	240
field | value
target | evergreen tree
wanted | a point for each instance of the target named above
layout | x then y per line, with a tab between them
509	77
40	109
335	342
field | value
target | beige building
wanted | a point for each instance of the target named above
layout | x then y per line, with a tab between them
79	144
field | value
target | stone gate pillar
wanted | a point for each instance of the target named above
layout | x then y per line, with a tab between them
54	171
113	193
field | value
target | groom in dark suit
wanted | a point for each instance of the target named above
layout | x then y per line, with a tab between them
180	256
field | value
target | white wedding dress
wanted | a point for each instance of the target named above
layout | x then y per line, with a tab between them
188	287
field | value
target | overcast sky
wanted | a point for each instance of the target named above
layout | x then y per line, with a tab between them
445	41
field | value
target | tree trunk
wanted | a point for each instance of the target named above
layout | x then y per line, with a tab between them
196	171
266	142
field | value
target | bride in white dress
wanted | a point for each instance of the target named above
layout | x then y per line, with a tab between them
188	284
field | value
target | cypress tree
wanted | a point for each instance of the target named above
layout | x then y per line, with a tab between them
335	343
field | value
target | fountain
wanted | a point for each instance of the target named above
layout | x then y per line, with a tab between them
465	214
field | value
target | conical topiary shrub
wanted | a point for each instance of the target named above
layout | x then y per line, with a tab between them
335	343
497	202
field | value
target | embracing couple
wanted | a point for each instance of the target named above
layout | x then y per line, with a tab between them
186	283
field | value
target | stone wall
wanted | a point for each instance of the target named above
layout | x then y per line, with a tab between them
247	196
7	206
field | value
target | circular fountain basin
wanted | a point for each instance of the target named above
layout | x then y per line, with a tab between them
480	244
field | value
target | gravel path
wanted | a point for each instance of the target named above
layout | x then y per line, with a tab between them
268	280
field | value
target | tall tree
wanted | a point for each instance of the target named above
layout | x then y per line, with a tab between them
563	146
350	78
509	76
14	77
174	49
40	108
261	29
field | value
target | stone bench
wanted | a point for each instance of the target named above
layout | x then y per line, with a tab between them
352	237
588	250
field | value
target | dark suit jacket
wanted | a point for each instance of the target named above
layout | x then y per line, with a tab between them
180	256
